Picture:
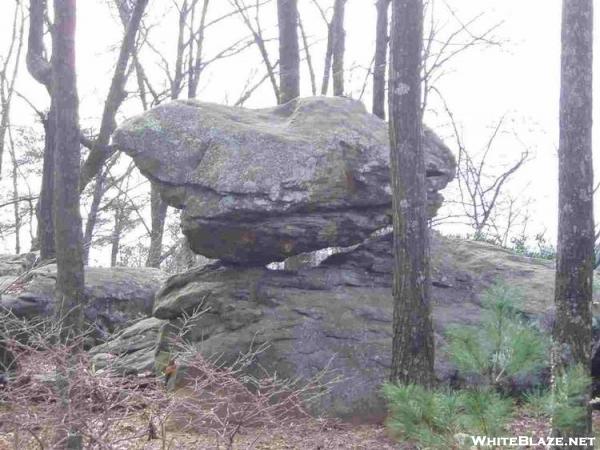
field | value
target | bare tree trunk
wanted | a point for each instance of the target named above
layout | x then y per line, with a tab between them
381	46
413	343
177	82
289	51
259	40
328	57
115	240
100	150
309	62
159	213
8	77
195	68
16	196
575	255
45	205
90	224
158	209
40	69
339	47
67	218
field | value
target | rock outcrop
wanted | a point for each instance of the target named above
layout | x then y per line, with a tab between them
14	265
336	315
258	186
114	296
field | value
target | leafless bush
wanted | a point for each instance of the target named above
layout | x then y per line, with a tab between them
224	400
54	397
52	393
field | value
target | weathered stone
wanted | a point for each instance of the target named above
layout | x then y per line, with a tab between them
258	186
15	265
114	296
135	346
339	314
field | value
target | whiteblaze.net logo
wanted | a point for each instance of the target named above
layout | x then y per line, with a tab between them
543	442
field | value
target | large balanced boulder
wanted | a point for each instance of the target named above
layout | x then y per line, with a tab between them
114	296
337	315
258	186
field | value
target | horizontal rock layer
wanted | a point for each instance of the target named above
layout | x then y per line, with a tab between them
337	315
114	296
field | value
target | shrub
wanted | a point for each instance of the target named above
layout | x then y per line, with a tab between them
420	415
503	346
541	250
54	394
484	412
566	402
433	419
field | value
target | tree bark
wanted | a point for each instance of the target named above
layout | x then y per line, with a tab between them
8	77
309	63
16	196
575	251
381	46
67	218
196	66
92	218
339	47
158	214
115	239
45	204
100	150
256	31
328	57
413	342
289	51
40	69
37	63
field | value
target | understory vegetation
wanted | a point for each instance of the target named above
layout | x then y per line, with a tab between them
503	364
55	396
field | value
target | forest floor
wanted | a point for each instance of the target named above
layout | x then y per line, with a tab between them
309	435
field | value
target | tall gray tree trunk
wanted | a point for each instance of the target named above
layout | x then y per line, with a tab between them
45	204
413	343
90	224
328	58
339	47
115	239
195	62
67	218
289	51
309	63
575	255
379	66
39	68
15	187
100	150
158	215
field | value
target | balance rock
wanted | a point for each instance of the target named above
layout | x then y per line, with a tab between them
258	186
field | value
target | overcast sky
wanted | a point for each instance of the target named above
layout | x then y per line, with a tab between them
519	79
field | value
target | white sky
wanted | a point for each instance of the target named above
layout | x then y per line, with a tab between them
519	79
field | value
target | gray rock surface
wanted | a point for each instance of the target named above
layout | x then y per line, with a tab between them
258	186
15	265
136	347
115	296
339	314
